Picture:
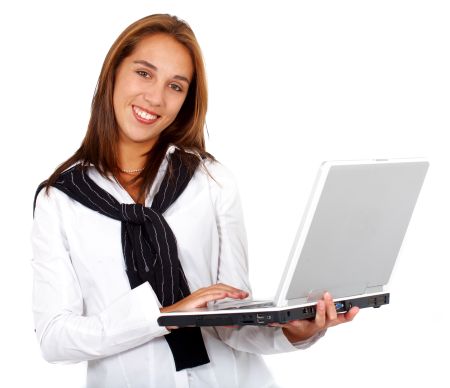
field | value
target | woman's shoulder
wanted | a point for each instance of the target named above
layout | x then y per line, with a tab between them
218	173
222	183
50	196
49	201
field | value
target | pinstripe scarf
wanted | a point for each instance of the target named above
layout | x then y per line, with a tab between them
149	246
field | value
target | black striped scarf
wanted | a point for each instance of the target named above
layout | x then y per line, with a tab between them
149	246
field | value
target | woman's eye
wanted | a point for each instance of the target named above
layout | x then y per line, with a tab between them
176	87
143	73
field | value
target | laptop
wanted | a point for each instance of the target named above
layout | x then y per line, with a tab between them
347	243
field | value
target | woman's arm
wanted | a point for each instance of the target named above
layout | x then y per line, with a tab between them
233	270
64	332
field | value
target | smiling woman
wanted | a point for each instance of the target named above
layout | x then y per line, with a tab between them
149	90
154	68
143	220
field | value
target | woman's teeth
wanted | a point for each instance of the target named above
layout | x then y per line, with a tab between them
144	115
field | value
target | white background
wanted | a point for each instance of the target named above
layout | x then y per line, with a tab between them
291	84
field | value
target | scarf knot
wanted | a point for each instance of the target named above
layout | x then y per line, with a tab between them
134	213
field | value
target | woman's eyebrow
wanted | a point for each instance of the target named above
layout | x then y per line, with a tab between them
145	63
152	66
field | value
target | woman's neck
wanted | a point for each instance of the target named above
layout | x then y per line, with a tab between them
132	155
133	189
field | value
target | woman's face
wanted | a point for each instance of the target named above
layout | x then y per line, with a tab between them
150	87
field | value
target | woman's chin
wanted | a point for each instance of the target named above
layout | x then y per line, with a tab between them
139	139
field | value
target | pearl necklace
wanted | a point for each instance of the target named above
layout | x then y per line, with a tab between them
132	171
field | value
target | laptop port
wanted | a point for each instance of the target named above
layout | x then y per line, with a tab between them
260	319
308	310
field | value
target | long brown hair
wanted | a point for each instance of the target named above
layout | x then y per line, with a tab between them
100	144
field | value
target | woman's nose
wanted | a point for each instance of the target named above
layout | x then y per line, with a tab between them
155	95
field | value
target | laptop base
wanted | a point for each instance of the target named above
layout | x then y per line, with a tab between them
262	317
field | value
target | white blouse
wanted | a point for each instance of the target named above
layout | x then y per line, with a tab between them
84	309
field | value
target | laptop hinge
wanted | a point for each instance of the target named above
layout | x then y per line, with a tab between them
315	295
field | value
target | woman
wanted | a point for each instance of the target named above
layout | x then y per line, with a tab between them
141	219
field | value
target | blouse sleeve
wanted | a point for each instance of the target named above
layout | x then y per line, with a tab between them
233	270
64	333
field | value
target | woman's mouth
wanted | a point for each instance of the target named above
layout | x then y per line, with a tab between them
144	116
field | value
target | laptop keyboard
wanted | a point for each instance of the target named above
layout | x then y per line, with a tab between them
241	305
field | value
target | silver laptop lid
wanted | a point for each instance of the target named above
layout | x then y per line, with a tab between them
352	229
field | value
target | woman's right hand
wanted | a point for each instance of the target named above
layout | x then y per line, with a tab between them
202	296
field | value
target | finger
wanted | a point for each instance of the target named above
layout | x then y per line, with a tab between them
349	315
329	306
320	314
275	324
296	323
226	288
238	295
202	300
233	290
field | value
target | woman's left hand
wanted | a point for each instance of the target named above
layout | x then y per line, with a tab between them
326	316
